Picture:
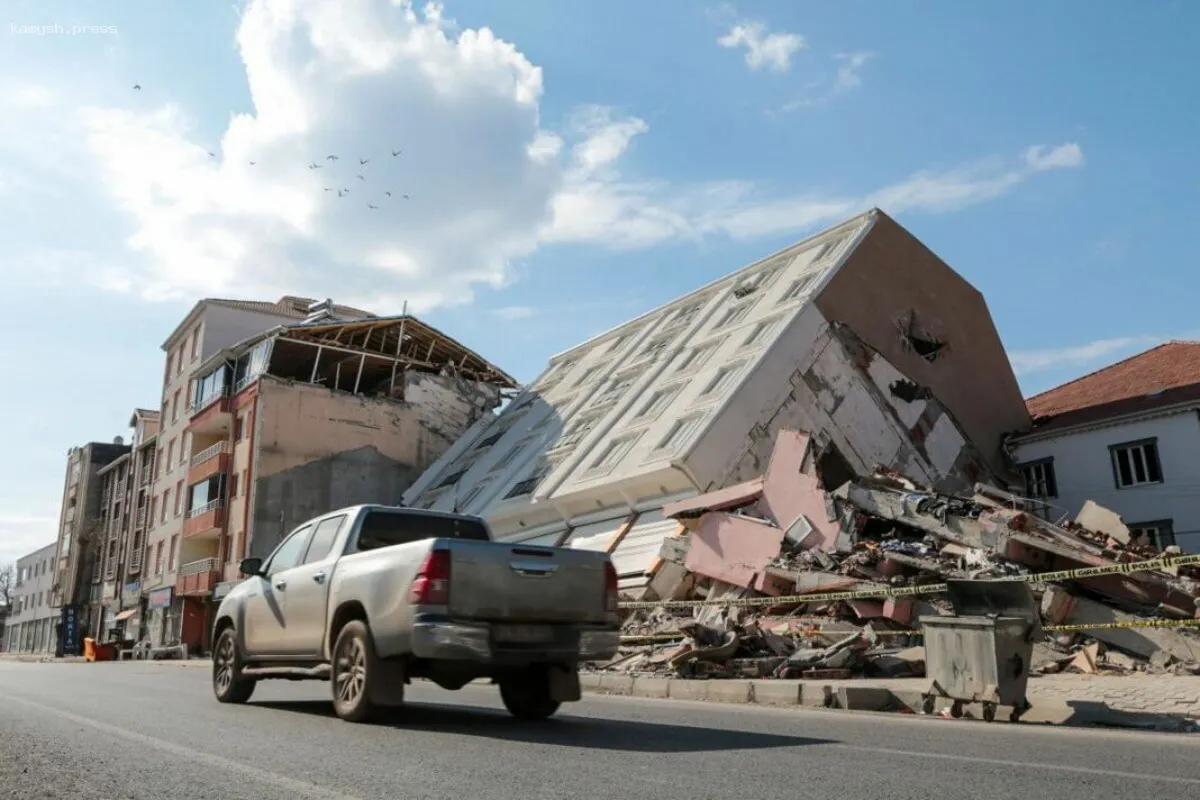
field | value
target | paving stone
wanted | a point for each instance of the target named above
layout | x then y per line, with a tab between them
616	684
778	693
815	695
731	691
652	687
690	690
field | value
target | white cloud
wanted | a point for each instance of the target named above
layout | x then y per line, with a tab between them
626	214
772	51
849	67
487	181
1025	362
1064	156
514	313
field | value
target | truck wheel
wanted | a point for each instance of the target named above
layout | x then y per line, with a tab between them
527	697
353	673
228	684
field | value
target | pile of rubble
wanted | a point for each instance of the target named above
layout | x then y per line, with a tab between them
832	584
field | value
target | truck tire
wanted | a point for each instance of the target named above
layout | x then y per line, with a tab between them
228	684
527	696
354	673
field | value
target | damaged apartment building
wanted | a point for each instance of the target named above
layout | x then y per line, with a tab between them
306	417
859	336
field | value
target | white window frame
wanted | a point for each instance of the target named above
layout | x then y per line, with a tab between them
1158	531
699	355
1041	480
1139	455
735	314
725	377
685	314
615	452
800	287
680	432
592	373
659	401
761	331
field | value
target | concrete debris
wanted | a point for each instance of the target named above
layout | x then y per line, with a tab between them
788	535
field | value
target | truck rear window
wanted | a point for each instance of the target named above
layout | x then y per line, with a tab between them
384	529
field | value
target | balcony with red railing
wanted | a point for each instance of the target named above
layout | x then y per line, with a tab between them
205	521
209	461
197	577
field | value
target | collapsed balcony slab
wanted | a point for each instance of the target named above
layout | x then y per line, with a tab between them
733	548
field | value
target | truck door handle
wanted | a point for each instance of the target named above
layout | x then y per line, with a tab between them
319	577
281	584
532	569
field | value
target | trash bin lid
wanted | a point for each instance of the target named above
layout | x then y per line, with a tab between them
993	598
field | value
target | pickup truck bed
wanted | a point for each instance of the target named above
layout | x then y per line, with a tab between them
370	597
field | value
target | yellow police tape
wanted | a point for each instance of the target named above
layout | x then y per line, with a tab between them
910	591
1103	626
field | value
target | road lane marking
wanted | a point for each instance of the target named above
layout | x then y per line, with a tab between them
303	788
1001	762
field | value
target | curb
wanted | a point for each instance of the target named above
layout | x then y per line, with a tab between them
815	694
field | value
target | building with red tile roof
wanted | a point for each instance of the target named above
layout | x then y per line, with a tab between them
1125	436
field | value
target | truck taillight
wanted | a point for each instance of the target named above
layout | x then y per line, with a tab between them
610	586
431	587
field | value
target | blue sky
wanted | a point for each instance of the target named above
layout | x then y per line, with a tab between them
571	165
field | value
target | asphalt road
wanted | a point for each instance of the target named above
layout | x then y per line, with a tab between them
107	731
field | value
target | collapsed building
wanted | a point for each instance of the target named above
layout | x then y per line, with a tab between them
860	336
789	575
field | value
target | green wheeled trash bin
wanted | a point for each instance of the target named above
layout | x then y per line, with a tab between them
982	653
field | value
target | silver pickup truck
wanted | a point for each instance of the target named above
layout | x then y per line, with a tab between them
370	597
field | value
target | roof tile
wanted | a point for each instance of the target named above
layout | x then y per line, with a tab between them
1171	365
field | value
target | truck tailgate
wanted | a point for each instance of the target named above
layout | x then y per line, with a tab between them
526	583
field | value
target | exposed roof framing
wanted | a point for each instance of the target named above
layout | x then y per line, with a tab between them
421	346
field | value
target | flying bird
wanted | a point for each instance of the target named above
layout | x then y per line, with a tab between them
396	153
362	161
360	177
389	194
330	189
340	194
137	87
214	155
331	158
314	165
405	197
371	206
252	163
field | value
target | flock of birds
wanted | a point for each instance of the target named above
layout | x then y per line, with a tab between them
333	159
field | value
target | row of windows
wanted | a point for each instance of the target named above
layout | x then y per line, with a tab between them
37	569
693	361
28	601
1133	464
681	317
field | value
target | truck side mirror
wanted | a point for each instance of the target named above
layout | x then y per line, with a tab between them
251	566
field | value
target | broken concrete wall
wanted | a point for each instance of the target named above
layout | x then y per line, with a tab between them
893	288
859	410
286	499
446	404
1060	607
